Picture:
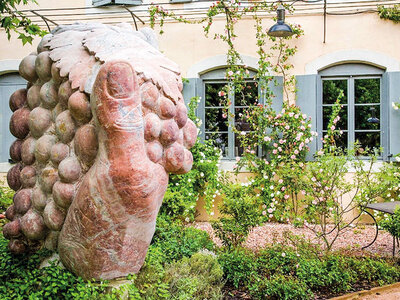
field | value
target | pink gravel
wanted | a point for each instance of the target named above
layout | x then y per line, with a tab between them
352	239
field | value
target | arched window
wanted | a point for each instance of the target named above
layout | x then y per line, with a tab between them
206	80
362	118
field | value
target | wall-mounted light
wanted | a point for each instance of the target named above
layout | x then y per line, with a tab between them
280	29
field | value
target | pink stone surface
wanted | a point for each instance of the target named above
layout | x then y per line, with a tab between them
101	125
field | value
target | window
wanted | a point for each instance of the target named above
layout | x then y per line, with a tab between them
361	118
216	125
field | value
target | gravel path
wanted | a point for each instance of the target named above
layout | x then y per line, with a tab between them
351	240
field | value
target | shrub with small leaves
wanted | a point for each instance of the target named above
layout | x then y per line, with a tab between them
6	196
241	212
198	277
174	241
21	278
392	223
280	287
202	181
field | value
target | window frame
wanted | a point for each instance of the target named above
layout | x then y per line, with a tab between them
217	77
354	72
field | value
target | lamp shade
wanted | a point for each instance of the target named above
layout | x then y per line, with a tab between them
280	29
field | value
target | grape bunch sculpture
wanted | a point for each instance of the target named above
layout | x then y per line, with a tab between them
99	127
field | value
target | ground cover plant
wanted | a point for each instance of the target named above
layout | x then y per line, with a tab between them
174	269
6	199
283	272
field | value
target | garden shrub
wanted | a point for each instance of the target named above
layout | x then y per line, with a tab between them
20	278
283	138
280	287
277	260
6	196
175	241
241	212
375	271
283	272
197	277
392	223
328	275
239	266
184	190
150	282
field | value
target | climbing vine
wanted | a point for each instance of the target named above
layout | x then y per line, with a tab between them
273	53
390	13
287	143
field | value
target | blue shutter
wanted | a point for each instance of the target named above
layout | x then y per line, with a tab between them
391	93
128	2
9	83
306	99
193	88
101	2
106	2
276	87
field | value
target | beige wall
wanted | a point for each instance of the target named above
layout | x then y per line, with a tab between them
186	44
13	49
356	32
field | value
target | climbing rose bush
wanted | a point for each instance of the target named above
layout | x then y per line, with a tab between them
275	149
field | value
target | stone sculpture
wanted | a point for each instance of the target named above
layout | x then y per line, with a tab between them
99	127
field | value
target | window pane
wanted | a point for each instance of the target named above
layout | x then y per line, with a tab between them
367	117
341	140
212	97
368	139
249	95
220	140
240	122
238	148
327	111
216	120
331	90
367	90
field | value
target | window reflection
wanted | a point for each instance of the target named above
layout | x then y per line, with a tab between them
332	89
367	90
360	114
220	140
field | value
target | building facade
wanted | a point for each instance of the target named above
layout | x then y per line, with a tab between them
345	46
